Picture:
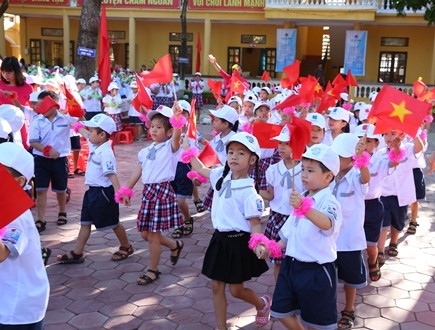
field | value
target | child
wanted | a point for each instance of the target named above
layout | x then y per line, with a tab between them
350	187
197	88
398	191
338	122
236	103
307	280
282	178
49	137
24	282
112	105
247	109
318	125
374	209
99	206
133	114
159	210
92	98
235	214
225	123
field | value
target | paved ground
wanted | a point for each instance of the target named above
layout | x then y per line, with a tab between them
102	294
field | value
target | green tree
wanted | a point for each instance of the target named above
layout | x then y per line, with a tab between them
88	37
427	5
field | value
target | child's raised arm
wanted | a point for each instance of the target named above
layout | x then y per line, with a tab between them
177	120
196	164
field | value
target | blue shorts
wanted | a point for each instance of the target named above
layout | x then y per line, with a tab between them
351	269
419	183
99	208
134	120
33	326
307	289
51	170
182	185
394	215
373	220
75	143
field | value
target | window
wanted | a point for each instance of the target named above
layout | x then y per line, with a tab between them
233	58
392	67
35	51
175	50
268	61
326	43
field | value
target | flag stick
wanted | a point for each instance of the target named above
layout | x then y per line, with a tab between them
173	90
293	175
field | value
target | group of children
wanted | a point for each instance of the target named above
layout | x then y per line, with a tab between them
341	198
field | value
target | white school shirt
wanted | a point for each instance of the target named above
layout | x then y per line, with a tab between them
109	99
350	192
196	87
101	163
55	133
400	182
24	283
213	143
132	112
94	103
379	168
327	138
163	167
235	203
280	178
305	241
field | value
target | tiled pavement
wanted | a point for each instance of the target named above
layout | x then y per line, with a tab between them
102	294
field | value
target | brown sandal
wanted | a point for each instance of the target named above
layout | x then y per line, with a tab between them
123	253
347	320
144	279
374	271
62	219
412	228
393	251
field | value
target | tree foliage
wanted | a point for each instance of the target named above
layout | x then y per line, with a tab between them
427	5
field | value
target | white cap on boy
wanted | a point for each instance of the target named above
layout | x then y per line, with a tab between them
112	85
13	115
226	112
185	105
133	84
359	105
344	144
284	135
33	97
5	128
325	155
338	113
250	97
364	112
102	121
316	119
267	89
16	157
248	140
368	130
92	79
261	104
81	81
235	99
161	109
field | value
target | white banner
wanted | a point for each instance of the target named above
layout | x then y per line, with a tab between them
285	48
355	52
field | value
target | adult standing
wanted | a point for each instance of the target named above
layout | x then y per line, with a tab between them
14	89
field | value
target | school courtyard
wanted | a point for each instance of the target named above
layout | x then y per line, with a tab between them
103	294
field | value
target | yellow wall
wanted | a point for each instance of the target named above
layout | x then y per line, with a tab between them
314	44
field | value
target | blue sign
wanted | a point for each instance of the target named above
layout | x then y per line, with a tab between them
183	60
355	52
285	48
86	51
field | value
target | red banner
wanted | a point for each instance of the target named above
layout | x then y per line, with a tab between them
245	5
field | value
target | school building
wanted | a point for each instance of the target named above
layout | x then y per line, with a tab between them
397	50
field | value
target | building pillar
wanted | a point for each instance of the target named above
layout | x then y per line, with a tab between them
132	44
66	41
206	37
2	37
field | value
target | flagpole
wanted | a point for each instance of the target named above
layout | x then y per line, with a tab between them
293	175
173	90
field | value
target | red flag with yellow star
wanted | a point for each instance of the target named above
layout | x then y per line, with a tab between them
73	106
395	110
236	85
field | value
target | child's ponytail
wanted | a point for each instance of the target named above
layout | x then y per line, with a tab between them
257	175
221	179
235	126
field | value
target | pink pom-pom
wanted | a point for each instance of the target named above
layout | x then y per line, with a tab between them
214	133
289	110
271	245
3	232
347	106
195	175
247	127
123	192
76	126
188	154
304	208
274	249
178	123
423	135
362	161
396	158
143	118
428	119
